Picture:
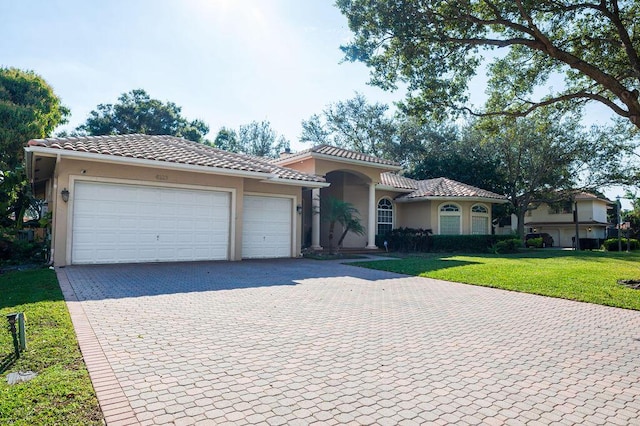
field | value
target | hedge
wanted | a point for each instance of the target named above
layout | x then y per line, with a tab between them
612	244
423	240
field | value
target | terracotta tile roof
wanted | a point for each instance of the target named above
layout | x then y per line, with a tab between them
171	149
443	187
589	196
338	153
397	181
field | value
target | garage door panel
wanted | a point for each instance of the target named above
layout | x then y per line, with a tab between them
266	227
115	223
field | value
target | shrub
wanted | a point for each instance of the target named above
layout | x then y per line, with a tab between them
423	240
407	239
466	243
535	242
16	251
612	244
508	246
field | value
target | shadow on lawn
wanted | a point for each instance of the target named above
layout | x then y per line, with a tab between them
25	287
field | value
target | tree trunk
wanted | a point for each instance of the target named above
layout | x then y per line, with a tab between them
332	226
520	212
344	234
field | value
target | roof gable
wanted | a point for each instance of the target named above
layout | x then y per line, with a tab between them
333	152
435	188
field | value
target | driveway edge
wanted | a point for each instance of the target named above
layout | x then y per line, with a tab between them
114	404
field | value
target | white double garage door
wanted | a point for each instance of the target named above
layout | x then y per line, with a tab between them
117	223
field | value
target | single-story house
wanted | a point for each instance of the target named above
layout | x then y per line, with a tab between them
141	198
557	219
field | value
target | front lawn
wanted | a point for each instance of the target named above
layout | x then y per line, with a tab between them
583	276
62	392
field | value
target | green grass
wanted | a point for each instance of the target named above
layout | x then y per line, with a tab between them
584	276
62	392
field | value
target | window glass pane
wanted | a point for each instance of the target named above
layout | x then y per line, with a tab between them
383	228
450	225
385	204
385	216
479	225
479	209
449	208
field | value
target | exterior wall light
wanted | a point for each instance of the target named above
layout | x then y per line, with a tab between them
65	195
299	208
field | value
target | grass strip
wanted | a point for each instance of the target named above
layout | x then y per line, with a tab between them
583	276
62	392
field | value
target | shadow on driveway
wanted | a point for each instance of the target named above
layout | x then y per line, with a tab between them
98	282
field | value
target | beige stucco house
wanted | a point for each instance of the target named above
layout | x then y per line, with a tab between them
141	198
557	219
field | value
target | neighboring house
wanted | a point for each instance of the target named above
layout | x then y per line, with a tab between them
557	220
141	198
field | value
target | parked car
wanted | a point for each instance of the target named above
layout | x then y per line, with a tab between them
547	240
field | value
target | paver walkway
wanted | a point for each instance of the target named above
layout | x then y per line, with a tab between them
302	342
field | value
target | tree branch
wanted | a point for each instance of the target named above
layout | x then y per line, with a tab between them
535	105
493	42
624	35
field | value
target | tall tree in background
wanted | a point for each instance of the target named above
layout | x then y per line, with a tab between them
137	112
352	124
29	109
259	139
226	139
436	46
458	154
538	156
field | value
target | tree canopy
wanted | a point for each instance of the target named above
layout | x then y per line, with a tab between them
546	156
137	112
256	138
353	124
259	139
435	47
29	109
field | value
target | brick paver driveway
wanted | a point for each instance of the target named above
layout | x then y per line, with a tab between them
298	342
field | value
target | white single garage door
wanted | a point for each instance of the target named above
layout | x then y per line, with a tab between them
115	223
266	227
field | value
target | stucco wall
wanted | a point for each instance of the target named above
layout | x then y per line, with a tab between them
70	171
415	215
425	214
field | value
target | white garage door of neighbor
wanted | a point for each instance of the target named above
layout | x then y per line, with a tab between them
266	227
116	223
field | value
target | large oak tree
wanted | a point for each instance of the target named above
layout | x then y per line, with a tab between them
137	112
436	46
353	124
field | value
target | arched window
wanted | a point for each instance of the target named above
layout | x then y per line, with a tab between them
385	216
450	223
480	219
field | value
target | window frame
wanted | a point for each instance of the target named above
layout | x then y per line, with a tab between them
390	209
485	215
457	213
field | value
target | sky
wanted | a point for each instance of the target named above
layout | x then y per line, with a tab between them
225	62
